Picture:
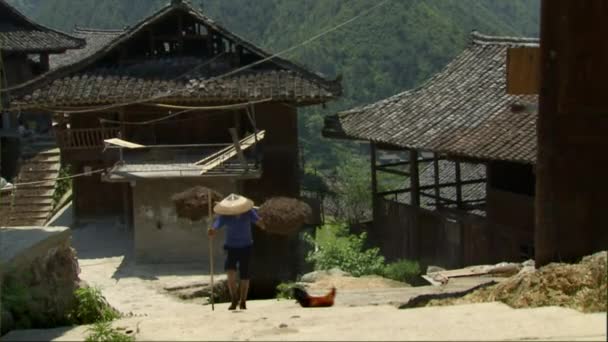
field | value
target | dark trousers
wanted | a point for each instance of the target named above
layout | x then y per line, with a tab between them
240	256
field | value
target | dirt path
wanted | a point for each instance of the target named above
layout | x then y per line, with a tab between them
362	314
271	320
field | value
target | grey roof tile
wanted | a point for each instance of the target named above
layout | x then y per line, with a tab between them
464	110
20	34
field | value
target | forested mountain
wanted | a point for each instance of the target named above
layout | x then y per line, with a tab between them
394	47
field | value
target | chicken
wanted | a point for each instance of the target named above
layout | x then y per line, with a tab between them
308	301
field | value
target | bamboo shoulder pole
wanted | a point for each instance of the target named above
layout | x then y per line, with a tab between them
209	200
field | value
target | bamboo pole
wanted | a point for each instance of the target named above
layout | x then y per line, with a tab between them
209	200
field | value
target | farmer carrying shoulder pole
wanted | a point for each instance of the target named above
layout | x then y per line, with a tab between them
237	214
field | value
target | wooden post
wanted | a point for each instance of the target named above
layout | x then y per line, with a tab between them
414	179
372	157
438	203
458	184
44	61
180	41
571	181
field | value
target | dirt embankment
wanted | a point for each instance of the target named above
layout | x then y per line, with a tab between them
580	286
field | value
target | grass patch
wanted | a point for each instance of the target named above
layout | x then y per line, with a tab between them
91	307
403	270
103	332
284	290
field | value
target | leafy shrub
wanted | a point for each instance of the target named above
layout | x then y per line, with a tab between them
103	332
15	299
284	290
403	270
63	185
91	307
345	252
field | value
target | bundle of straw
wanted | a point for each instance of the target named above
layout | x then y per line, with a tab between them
283	215
193	203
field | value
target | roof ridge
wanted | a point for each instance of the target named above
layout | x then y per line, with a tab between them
332	85
80	29
78	41
480	38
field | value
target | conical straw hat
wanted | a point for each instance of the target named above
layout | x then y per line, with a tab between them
233	205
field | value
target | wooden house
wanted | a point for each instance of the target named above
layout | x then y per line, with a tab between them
25	47
176	83
472	202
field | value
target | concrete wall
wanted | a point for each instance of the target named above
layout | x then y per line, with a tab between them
162	237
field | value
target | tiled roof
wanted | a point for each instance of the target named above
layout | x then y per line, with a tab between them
20	34
77	79
95	40
464	110
127	84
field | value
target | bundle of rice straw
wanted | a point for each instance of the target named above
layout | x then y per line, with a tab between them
284	216
193	203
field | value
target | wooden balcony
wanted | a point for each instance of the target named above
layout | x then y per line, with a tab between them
84	139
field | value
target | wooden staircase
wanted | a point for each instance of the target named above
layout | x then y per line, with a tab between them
32	205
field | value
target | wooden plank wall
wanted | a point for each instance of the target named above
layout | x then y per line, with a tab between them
449	238
523	70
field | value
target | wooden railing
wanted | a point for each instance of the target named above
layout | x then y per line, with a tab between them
81	139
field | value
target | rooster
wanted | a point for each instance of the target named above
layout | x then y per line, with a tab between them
308	301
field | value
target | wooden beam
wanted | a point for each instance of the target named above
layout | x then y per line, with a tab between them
237	147
216	159
414	178
123	143
458	183
393	192
44	61
403	163
374	175
523	70
394	172
180	27
436	177
151	42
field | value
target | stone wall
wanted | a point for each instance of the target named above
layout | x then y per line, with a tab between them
39	272
161	236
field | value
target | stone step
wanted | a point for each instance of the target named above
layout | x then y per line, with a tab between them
32	208
39	184
51	151
19	201
39	167
45	159
17	216
44	193
27	222
28	151
27	177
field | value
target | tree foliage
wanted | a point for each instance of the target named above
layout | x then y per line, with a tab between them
344	251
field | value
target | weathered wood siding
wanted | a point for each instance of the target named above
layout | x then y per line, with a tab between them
94	198
446	238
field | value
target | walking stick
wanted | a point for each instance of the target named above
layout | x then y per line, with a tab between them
209	199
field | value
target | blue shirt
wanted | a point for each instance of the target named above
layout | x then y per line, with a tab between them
238	228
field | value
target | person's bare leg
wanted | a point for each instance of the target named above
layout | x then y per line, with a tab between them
244	288
232	289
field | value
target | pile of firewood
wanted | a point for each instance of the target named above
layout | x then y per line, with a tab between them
284	216
193	203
